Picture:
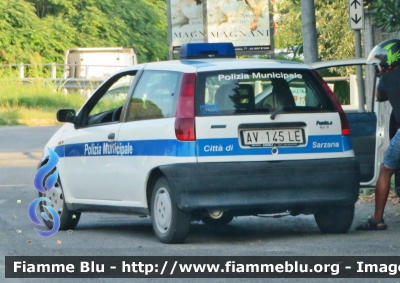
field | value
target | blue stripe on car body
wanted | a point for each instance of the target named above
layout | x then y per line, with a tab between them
204	147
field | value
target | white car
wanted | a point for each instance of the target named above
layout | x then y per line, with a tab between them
207	139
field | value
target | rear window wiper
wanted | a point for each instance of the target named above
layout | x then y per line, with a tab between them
294	109
273	114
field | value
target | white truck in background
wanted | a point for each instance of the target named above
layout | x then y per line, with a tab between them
97	63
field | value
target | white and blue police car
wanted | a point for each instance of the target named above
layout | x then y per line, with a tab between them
208	137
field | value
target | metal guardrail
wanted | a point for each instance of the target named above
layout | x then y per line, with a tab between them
79	71
74	76
78	83
64	83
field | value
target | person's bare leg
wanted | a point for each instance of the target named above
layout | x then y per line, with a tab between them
382	191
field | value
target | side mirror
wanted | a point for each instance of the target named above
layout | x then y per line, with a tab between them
66	115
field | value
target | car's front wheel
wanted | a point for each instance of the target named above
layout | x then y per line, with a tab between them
171	225
335	219
68	219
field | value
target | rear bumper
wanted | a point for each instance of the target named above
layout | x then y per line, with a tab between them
268	186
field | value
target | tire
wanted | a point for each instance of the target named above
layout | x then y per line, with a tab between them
224	220
335	219
171	225
68	219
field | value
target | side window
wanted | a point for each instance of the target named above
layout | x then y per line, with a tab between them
154	96
109	107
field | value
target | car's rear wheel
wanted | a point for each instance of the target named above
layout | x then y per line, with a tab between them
225	219
335	219
68	219
171	225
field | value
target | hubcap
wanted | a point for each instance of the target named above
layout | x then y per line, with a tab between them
162	210
55	195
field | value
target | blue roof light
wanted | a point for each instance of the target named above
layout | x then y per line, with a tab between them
207	50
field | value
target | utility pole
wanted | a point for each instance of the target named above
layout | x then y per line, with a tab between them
359	72
310	42
356	19
170	48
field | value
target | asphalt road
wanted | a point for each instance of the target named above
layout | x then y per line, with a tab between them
126	235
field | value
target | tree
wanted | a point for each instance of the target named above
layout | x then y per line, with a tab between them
45	28
386	14
289	30
335	38
24	36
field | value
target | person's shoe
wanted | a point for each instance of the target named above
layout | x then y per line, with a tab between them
372	225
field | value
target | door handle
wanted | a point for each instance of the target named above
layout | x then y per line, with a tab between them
111	136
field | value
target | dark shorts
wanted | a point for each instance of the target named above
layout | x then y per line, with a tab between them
392	156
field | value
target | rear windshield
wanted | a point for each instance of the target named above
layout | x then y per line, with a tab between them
235	92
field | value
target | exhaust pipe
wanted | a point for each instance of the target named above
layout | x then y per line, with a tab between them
215	214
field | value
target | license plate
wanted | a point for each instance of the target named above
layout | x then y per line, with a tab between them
273	137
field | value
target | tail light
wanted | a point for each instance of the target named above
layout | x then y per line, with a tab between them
185	116
339	109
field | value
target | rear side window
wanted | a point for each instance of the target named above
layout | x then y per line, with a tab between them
259	91
155	96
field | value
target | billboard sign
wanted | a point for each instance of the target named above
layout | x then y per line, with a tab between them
186	22
245	23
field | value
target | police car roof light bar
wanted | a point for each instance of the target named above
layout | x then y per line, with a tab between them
207	50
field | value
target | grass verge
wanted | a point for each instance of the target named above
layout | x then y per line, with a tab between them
34	104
